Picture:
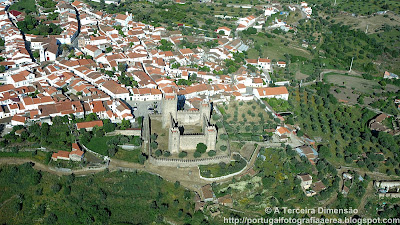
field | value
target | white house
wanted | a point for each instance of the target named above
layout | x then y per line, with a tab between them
264	63
226	30
281	64
305	181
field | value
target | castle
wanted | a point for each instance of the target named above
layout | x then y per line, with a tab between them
176	121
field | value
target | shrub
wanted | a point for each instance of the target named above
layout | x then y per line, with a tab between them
167	154
201	148
212	153
197	154
223	147
182	154
158	153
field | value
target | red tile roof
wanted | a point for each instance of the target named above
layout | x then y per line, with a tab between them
90	124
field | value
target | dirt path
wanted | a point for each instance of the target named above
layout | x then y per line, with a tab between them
42	167
5	202
368	192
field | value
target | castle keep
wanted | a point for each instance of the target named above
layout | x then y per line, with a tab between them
179	124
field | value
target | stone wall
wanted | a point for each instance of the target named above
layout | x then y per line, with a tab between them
189	142
188	162
188	117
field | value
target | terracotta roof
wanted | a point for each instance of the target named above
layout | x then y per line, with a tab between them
207	191
63	154
90	124
19	118
305	177
272	91
283	130
115	87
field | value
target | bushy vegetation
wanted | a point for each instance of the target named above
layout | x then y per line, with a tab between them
32	26
104	198
279	105
344	131
27	6
222	169
47	3
56	136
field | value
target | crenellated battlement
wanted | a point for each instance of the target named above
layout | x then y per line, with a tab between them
188	111
193	134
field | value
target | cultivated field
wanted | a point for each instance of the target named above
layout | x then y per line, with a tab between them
359	84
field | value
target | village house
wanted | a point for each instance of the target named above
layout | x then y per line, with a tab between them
88	126
271	92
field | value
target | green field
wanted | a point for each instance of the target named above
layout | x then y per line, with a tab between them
28	195
99	144
273	48
364	7
129	156
26	6
222	169
358	83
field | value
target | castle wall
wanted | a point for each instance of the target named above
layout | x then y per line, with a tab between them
188	162
189	142
188	117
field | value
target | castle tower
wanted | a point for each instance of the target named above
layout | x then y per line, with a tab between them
205	110
211	137
174	140
169	107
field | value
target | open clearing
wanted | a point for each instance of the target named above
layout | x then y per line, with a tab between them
374	22
359	84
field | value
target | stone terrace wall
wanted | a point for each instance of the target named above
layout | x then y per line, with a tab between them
188	162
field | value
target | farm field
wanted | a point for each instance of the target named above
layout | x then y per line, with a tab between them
275	49
359	84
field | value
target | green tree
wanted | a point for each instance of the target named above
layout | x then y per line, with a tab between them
212	153
182	154
201	148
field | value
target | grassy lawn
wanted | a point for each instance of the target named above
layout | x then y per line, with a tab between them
221	169
275	48
129	156
102	198
99	144
24	5
358	83
279	105
162	134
